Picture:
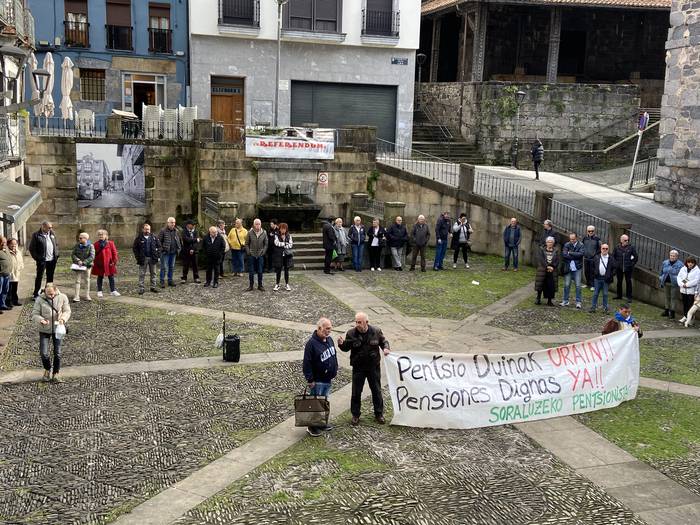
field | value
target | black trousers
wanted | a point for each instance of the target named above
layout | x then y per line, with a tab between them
687	298
12	297
373	375
189	261
50	267
375	256
418	250
537	168
328	257
213	269
589	272
465	249
628	283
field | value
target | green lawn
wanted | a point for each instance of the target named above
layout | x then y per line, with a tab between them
449	294
675	359
656	426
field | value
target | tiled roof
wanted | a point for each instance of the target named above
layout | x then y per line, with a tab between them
433	6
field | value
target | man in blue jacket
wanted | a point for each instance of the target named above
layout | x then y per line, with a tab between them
572	256
442	231
320	364
511	240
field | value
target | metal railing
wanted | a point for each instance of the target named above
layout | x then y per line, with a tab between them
211	208
76	34
374	207
644	173
160	40
119	37
569	219
6	12
421	164
12	138
380	23
19	18
505	191
29	27
58	127
652	252
446	133
239	12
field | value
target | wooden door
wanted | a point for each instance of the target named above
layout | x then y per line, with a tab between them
228	109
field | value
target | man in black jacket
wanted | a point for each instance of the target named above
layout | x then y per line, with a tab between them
43	248
603	274
320	364
364	342
442	231
625	260
190	247
214	249
146	250
591	248
397	239
420	236
270	244
329	243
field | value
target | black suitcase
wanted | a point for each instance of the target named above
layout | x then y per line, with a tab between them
232	346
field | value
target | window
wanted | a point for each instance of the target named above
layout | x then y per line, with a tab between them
76	23
159	33
314	15
92	84
119	24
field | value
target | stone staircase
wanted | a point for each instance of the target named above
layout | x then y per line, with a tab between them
429	138
308	251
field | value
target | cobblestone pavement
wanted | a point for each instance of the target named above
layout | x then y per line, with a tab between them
144	334
407	476
88	449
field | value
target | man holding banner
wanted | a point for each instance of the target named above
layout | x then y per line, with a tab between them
364	343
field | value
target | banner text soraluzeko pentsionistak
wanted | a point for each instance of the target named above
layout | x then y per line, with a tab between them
436	390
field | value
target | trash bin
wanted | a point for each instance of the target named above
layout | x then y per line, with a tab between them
232	348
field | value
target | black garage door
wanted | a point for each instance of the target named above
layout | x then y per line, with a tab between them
337	105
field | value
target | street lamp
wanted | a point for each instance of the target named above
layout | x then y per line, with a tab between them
420	59
519	97
41	79
280	4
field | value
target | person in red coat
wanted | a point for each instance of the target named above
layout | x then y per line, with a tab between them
105	264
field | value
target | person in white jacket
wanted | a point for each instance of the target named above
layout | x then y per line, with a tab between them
15	271
688	284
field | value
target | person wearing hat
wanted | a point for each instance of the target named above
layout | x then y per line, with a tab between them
190	247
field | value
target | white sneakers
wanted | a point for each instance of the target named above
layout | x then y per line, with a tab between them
76	299
116	293
466	266
288	288
454	265
379	269
372	269
276	288
682	320
100	295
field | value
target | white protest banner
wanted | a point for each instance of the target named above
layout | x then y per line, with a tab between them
288	148
468	391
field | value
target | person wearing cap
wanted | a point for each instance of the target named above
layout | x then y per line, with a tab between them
190	247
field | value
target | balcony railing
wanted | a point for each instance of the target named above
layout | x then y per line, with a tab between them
160	40
239	12
19	18
13	14
380	23
29	27
77	34
119	37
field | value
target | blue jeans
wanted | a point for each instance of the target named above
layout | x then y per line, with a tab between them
4	290
255	265
514	251
358	252
167	259
576	276
237	261
600	284
320	389
44	352
440	251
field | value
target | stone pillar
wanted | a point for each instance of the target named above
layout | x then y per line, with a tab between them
479	48
114	127
203	130
543	205
358	201
616	230
466	178
391	210
435	50
554	39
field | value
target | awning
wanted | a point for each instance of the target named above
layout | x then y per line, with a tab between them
18	202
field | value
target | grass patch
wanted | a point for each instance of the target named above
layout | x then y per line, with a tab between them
655	426
675	359
449	294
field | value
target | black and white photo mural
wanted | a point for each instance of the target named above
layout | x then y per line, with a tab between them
110	175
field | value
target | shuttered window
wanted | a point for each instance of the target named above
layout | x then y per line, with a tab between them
119	12
76	6
313	15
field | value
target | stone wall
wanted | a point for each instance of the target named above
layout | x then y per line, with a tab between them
564	116
678	175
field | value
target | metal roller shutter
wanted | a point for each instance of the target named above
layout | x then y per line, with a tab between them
337	105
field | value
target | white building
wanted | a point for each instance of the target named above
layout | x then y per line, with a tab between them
344	62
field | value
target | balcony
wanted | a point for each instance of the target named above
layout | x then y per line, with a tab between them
160	40
29	27
239	13
14	17
380	23
119	37
77	34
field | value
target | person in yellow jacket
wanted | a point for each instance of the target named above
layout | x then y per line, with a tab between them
237	240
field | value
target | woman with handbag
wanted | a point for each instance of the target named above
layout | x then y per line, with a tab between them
341	244
282	255
376	238
51	312
237	239
83	256
105	263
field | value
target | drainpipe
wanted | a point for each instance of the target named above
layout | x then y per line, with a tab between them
188	79
463	12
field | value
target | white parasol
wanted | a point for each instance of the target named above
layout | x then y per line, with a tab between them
47	105
66	87
35	91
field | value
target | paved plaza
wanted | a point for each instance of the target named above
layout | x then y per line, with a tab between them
151	426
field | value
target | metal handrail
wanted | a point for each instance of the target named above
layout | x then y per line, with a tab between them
418	163
504	190
446	133
570	219
652	252
644	173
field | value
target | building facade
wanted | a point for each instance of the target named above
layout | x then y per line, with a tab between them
342	63
126	52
